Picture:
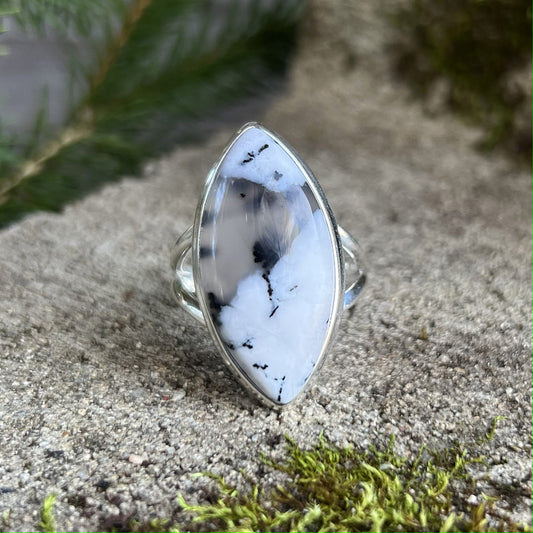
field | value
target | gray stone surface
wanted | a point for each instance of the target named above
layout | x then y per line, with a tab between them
110	396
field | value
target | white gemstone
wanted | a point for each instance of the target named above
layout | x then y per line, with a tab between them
269	274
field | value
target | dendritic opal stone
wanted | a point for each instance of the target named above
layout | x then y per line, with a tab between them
268	264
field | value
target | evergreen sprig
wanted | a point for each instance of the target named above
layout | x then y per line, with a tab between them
166	64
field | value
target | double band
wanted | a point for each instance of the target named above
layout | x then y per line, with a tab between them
264	265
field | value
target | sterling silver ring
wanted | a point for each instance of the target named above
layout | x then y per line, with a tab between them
264	265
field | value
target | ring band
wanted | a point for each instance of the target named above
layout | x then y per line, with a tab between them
264	265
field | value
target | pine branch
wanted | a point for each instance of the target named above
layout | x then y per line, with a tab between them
83	125
153	81
134	15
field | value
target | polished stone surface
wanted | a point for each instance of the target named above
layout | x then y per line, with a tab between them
267	265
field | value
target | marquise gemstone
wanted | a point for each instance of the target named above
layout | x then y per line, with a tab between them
268	270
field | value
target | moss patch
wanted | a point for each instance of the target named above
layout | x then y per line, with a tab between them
331	488
48	523
342	489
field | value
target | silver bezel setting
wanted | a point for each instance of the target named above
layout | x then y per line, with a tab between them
338	302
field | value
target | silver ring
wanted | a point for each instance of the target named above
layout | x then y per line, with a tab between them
264	265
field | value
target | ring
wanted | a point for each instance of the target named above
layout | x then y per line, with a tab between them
264	265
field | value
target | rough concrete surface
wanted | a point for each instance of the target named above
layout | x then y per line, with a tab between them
110	396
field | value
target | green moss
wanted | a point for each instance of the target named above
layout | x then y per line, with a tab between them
474	48
5	520
48	523
331	488
155	525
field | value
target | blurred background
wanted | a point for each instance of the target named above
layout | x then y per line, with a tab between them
92	91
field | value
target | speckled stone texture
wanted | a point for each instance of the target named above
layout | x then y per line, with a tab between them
111	396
